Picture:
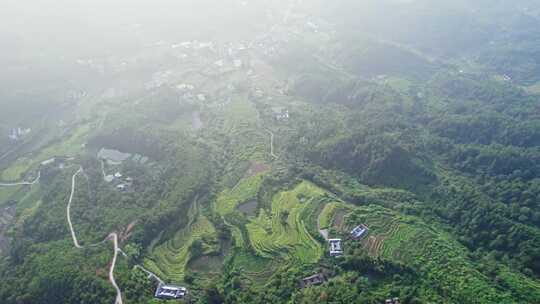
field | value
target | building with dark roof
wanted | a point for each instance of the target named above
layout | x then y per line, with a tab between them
315	279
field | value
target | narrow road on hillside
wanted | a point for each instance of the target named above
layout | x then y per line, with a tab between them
271	144
111	270
22	183
68	209
149	273
113	236
103	170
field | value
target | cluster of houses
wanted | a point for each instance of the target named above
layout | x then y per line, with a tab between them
187	93
336	247
195	45
280	113
392	301
18	133
121	183
336	250
170	292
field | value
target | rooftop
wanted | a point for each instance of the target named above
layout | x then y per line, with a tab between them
335	247
359	231
315	279
170	292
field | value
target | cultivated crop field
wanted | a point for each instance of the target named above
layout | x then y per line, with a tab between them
169	260
282	232
408	240
245	189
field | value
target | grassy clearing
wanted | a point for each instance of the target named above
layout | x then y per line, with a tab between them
240	121
246	189
27	199
240	112
399	84
206	264
327	214
283	232
250	263
6	193
71	146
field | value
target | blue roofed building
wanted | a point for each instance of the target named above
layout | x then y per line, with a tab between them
359	231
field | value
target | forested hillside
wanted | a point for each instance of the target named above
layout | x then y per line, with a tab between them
228	163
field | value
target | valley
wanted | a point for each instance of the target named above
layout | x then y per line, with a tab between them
289	152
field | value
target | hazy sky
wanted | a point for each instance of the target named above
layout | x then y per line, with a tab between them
87	26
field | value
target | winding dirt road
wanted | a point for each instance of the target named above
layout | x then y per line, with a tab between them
272	144
149	273
68	210
22	183
113	236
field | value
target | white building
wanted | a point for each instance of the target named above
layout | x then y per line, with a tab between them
335	247
170	292
201	97
359	231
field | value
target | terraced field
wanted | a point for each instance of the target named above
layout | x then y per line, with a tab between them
240	120
283	231
169	260
246	189
332	214
255	268
441	258
326	215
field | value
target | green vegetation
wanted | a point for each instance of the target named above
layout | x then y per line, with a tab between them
246	189
282	232
426	133
7	192
68	147
408	240
327	214
169	260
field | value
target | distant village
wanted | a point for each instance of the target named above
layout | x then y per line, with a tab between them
18	133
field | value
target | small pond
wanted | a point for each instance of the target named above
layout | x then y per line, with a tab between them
249	208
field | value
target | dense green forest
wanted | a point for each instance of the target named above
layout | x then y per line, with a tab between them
224	167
